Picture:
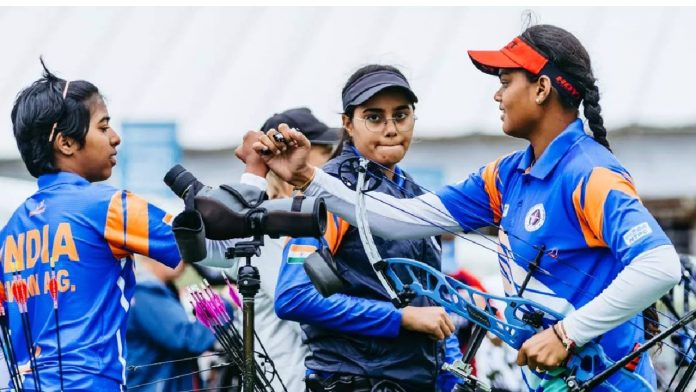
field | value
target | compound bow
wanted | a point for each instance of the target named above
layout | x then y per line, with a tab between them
588	368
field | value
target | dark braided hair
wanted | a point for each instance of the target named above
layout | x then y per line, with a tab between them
41	105
568	54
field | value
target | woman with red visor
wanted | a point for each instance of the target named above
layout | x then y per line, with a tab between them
603	259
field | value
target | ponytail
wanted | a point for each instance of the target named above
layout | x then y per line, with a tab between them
593	114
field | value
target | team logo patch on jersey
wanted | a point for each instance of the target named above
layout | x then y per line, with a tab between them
506	208
40	209
536	216
298	253
636	233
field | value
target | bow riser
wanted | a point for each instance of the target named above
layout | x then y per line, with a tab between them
585	363
513	331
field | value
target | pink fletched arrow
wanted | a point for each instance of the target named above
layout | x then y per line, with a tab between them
234	294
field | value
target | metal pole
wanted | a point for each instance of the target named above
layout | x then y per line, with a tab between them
249	284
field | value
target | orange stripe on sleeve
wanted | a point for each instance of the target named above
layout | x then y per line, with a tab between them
336	228
490	178
331	233
591	239
137	225
114	232
343	227
590	212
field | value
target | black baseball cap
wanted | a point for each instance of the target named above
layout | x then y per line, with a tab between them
304	121
368	85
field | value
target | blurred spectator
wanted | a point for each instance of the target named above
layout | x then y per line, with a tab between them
159	330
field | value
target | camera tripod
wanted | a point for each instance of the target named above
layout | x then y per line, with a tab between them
249	283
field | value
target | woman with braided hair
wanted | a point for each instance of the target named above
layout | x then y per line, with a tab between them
565	201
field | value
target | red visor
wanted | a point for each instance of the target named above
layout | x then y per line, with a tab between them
516	54
519	54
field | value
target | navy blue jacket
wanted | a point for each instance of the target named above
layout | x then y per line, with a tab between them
359	331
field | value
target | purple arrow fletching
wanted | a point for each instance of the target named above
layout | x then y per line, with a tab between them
220	306
201	313
235	296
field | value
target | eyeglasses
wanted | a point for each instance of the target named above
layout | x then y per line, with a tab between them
403	122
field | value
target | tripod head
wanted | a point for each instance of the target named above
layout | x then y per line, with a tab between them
246	249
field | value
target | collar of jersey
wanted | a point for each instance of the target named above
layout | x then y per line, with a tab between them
554	152
52	179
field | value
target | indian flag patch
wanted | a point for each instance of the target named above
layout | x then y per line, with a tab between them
298	253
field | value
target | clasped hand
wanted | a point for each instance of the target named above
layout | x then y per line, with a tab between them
542	352
285	155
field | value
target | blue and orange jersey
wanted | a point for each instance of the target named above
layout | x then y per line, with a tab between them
89	233
580	204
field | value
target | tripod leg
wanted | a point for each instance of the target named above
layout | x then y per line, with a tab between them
249	363
249	284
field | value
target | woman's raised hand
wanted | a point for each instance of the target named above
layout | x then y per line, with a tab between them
285	151
254	163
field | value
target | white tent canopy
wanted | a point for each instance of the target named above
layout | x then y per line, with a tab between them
218	72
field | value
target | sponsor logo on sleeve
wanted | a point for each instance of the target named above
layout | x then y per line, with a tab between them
636	233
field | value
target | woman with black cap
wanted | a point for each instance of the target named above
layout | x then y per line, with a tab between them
607	259
358	340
